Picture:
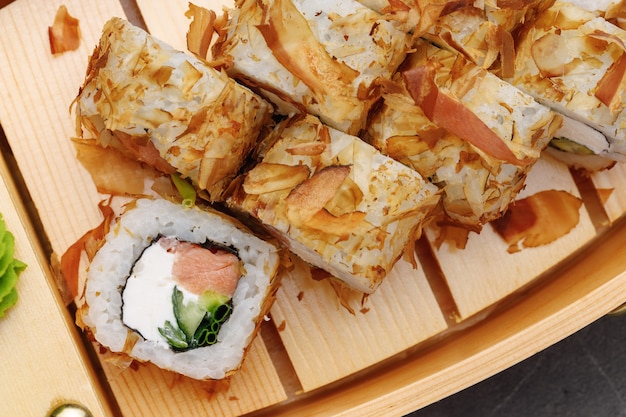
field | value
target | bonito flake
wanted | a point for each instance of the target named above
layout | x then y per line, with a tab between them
324	58
168	108
336	201
414	16
482	31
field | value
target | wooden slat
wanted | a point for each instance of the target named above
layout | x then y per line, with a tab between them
585	290
146	390
484	272
327	342
611	188
34	112
43	361
38	89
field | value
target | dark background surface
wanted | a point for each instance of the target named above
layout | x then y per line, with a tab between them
583	375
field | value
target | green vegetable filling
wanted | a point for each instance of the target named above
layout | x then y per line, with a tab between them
197	323
567	145
186	190
10	268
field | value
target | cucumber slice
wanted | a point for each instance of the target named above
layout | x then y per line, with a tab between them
197	322
174	336
576	137
567	145
188	316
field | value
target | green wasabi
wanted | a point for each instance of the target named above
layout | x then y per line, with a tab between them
10	268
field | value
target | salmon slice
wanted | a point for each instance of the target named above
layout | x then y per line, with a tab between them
198	269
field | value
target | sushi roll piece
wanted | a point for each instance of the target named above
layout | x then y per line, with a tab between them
476	140
494	116
335	201
167	108
183	288
475	187
573	61
324	58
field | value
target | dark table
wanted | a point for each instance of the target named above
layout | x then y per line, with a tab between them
583	375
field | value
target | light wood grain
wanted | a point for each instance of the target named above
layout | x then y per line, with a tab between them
145	390
44	363
611	186
484	272
34	111
574	296
327	342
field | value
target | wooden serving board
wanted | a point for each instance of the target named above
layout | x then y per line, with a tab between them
427	332
609	185
479	277
45	364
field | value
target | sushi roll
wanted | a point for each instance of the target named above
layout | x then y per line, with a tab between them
324	58
335	201
475	188
573	61
484	110
446	140
183	288
167	108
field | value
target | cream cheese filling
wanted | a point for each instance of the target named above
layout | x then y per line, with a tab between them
147	296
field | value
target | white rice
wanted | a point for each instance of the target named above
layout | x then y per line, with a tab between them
136	230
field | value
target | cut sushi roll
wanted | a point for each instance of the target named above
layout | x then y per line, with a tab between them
168	108
491	114
573	61
477	140
185	289
475	188
336	201
322	58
